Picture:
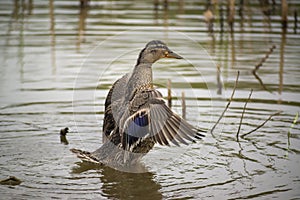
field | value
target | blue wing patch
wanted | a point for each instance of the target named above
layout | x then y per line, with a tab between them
137	128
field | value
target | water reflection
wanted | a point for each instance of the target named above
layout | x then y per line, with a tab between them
83	13
295	21
53	35
233	54
123	185
64	140
44	41
181	6
155	11
161	17
17	22
281	62
84	3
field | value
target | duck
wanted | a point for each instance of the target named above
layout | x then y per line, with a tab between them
136	116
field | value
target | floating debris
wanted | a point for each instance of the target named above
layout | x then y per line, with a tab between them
63	138
11	180
64	131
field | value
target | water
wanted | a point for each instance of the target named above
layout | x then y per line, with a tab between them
58	62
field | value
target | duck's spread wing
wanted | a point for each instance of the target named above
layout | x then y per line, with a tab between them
150	117
166	126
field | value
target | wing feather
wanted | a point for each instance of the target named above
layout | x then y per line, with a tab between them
149	116
179	135
183	130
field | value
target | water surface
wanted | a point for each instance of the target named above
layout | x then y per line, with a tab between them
59	60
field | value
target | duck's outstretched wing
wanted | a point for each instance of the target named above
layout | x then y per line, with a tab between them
166	126
149	117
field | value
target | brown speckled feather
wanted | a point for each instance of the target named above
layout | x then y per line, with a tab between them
149	116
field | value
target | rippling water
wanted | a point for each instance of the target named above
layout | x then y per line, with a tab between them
58	62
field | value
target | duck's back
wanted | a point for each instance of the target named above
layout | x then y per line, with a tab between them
115	94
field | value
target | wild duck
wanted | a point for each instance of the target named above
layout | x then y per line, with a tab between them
136	116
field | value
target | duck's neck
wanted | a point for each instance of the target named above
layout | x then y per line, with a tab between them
143	71
141	78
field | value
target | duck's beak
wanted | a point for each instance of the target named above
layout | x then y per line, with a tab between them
171	54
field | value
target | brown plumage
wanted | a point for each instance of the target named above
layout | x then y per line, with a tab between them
136	116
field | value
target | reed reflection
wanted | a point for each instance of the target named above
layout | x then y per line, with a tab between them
281	62
166	20
233	55
181	6
17	23
53	40
21	38
242	29
155	8
164	17
83	13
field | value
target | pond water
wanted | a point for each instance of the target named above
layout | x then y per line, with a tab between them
59	60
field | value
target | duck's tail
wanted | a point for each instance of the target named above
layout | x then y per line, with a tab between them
86	156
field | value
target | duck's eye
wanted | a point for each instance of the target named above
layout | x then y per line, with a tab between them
153	51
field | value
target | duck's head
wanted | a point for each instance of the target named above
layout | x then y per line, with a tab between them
154	51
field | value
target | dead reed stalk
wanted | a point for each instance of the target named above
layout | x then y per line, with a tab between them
238	131
228	104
